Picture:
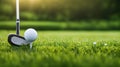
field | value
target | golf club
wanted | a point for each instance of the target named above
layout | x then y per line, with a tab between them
30	34
16	39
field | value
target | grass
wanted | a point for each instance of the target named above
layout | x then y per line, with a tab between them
63	49
71	25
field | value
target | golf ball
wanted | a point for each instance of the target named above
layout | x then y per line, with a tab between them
30	35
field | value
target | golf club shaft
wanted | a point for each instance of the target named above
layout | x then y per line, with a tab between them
17	18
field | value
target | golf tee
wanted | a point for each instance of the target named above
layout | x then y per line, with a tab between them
30	45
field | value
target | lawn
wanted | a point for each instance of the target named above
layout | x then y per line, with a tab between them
63	49
63	25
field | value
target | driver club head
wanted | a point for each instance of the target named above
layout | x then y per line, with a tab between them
16	40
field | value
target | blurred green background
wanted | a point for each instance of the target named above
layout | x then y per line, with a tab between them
62	14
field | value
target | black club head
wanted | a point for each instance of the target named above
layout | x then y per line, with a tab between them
16	40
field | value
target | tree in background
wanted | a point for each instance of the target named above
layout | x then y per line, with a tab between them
61	10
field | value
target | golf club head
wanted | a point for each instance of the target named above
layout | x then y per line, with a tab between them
16	40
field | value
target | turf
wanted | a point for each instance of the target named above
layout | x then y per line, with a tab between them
63	49
70	25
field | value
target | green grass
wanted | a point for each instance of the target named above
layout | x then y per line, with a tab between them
71	25
63	49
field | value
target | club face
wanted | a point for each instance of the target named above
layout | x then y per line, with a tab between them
16	40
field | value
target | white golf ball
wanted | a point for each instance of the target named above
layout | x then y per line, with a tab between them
30	35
